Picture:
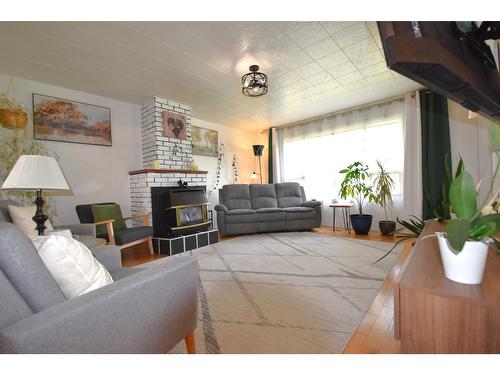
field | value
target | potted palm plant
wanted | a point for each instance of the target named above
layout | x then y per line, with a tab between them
384	185
356	184
464	245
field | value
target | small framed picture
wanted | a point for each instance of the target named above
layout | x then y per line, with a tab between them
174	125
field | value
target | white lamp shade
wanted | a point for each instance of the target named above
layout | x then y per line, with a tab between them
33	172
253	176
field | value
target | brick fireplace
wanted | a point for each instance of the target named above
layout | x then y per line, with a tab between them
174	155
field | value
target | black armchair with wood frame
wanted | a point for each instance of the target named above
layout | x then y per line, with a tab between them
110	225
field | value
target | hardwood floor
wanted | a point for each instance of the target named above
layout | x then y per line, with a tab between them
375	332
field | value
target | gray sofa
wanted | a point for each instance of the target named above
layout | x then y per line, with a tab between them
265	208
142	311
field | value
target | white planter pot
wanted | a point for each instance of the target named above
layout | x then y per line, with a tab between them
466	267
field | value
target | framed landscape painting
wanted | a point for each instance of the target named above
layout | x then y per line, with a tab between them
64	120
205	141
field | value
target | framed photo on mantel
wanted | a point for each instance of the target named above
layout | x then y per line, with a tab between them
174	125
63	120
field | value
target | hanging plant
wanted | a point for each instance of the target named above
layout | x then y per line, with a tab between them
236	169
216	183
13	114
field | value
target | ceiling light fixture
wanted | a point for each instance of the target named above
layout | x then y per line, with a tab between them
254	83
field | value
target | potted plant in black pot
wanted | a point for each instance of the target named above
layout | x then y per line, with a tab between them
384	184
356	184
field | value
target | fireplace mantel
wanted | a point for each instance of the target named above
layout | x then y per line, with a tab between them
150	170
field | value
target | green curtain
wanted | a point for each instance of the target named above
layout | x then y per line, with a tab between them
270	157
436	150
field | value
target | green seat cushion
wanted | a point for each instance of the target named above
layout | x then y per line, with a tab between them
103	212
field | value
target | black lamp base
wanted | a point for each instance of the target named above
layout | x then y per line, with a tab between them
40	218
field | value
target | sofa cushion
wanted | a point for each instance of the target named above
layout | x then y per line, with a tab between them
299	213
270	214
25	270
243	215
102	212
263	195
288	194
22	216
72	265
236	196
125	236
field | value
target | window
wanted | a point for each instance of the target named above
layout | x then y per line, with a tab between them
314	154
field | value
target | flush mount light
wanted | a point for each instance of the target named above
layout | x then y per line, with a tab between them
254	83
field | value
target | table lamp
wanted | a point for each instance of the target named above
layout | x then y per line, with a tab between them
35	172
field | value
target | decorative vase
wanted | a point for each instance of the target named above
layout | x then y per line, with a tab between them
361	223
466	267
13	118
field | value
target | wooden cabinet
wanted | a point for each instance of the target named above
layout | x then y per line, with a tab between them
435	315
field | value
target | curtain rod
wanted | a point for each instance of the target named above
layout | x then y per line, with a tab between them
331	114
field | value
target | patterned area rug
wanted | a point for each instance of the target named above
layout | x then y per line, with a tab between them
298	292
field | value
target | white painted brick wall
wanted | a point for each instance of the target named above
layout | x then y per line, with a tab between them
172	154
157	147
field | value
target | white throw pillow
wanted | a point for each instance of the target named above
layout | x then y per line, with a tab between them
72	265
23	218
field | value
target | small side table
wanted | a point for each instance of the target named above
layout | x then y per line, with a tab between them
346	215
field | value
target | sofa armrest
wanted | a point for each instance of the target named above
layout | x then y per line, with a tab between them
311	204
221	207
109	256
148	312
79	229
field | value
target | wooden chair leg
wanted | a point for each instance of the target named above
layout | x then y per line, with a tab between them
150	246
190	343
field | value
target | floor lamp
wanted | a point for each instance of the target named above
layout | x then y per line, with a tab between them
258	150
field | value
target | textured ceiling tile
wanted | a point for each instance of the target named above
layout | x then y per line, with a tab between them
336	26
199	64
309	70
342	70
351	77
322	48
373	69
320	78
379	77
357	84
372	26
361	48
369	58
309	34
336	58
297	59
351	35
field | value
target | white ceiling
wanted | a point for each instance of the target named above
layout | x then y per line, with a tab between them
313	67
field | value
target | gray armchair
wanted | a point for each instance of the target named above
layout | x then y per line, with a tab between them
142	311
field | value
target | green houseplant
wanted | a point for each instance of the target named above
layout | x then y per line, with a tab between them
470	231
384	185
356	184
13	114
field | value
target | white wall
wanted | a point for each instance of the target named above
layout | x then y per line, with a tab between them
99	173
236	141
95	173
471	139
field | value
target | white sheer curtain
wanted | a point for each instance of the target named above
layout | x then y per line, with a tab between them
313	153
413	155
